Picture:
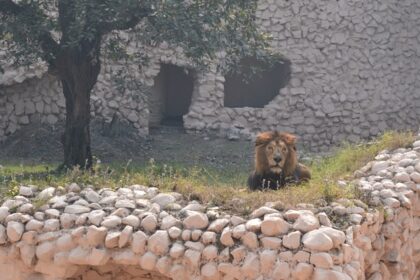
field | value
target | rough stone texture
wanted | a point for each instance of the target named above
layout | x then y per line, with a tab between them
354	69
384	243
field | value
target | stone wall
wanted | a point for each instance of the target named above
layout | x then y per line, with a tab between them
354	72
354	75
136	232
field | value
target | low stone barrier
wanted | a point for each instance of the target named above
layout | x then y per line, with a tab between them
136	232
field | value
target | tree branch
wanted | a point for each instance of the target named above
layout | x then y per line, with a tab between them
124	23
9	7
48	44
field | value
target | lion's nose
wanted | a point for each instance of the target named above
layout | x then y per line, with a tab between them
277	159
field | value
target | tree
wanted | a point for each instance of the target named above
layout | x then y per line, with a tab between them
69	36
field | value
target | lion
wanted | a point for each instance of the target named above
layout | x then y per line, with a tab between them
276	162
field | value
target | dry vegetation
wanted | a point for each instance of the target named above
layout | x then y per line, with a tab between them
226	188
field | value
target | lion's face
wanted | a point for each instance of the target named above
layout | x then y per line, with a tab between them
276	152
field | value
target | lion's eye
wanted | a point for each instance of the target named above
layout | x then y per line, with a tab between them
270	148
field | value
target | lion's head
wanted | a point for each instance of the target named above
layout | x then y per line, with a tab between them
275	152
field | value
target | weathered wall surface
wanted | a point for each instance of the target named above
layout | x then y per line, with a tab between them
354	75
138	233
354	72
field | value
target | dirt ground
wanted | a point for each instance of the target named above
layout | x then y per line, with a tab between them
117	145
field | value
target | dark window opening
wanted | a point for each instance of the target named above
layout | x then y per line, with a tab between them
171	95
260	89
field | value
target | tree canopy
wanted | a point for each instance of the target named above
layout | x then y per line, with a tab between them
69	36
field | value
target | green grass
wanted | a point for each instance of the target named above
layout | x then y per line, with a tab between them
224	188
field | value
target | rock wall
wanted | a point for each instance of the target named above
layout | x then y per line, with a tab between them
354	68
136	232
354	75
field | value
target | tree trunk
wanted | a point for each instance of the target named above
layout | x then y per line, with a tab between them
78	73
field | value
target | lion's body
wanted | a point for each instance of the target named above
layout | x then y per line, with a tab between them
276	162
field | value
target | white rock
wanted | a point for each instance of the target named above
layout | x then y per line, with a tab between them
195	220
250	240
226	237
45	251
321	260
170	221
92	196
251	266
337	236
111	221
192	258
149	223
281	271
292	240
3	235
112	239
163	199
263	211
34	225
208	237
96	216
96	236
379	165
131	220
402	177
65	243
73	187
317	240
67	220
238	231
148	261
125	203
14	231
25	191
356	218
415	176
210	252
139	242
209	270
46	194
52	213
271	243
218	225
323	274
159	242
76	209
125	257
324	220
51	225
125	236
197	246
253	225
174	232
236	220
302	271
186	235
4	212
306	222
177	250
163	265
273	226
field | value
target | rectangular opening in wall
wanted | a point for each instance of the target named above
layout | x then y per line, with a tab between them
260	89
171	95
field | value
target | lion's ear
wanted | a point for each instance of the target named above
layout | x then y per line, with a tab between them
263	138
290	139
